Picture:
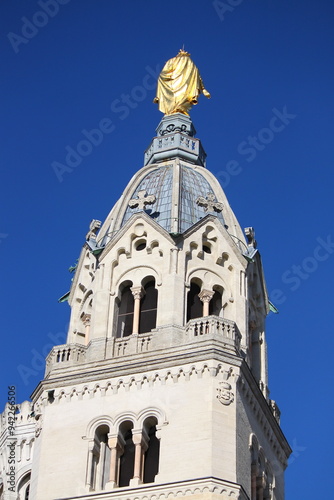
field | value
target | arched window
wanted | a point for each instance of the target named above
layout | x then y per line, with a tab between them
125	313
100	459
143	300
23	488
148	308
26	494
151	457
215	304
127	459
194	304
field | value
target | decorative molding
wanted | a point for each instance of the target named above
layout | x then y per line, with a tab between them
166	491
110	387
262	419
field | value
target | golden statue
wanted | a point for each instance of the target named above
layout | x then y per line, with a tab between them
179	85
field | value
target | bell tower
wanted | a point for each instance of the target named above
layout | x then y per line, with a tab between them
161	390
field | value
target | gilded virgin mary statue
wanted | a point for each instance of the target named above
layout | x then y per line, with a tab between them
179	85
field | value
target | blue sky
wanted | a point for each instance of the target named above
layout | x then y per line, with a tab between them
92	64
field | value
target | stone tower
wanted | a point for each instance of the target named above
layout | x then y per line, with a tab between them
161	390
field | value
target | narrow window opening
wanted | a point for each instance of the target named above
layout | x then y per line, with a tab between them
215	304
194	305
148	308
26	495
206	249
127	460
141	245
151	464
51	396
125	313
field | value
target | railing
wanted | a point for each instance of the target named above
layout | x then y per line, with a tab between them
68	354
133	344
222	328
212	327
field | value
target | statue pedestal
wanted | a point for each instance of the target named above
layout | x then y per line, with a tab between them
175	139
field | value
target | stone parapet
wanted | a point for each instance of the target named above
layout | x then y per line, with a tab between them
195	332
198	489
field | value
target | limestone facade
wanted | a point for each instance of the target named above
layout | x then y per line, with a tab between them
161	390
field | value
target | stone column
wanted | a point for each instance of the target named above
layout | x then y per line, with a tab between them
141	444
115	451
138	293
90	464
205	296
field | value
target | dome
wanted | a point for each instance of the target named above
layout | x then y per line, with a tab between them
174	188
159	183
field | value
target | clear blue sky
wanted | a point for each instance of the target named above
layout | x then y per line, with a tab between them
259	60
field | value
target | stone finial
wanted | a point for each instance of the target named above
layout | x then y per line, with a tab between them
94	226
142	200
209	203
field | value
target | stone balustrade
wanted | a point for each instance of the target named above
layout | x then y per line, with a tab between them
221	328
195	331
69	354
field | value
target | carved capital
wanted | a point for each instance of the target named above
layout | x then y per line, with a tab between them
137	292
206	295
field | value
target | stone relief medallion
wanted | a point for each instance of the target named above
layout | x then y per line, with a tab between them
225	395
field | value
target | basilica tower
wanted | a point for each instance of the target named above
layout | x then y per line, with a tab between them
161	390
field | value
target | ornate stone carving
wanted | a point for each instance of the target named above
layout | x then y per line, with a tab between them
225	395
250	235
39	423
86	319
142	200
209	203
206	295
174	128
94	226
137	292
